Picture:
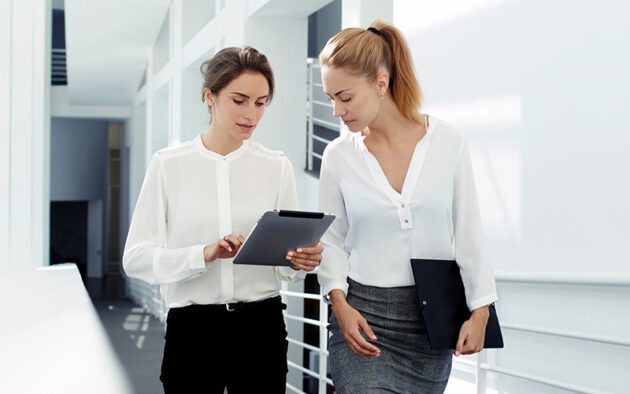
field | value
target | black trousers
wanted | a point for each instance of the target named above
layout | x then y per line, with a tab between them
209	348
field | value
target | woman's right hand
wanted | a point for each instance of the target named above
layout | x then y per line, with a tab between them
351	324
224	248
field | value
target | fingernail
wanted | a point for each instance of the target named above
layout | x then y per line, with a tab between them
457	352
288	257
299	250
291	253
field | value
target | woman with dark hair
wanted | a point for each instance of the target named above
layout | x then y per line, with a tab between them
225	327
401	187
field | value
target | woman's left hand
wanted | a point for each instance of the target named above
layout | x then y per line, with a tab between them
473	332
306	259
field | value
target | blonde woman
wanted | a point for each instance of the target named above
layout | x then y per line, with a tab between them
401	187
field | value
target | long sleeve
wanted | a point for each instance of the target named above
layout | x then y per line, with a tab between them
476	271
333	271
287	199
145	256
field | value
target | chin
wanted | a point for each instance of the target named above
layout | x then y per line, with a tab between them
355	128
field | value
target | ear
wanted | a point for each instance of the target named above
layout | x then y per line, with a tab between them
382	82
208	97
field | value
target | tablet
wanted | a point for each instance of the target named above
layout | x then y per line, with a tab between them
277	232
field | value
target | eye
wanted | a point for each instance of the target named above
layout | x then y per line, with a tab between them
345	100
238	102
260	104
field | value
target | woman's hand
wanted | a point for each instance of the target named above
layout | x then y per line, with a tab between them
351	324
306	259
224	248
473	332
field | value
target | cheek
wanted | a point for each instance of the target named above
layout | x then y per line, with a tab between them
364	108
260	111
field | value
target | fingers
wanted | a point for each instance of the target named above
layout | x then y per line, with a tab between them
305	256
307	266
367	329
235	240
463	334
315	249
359	345
468	343
225	245
231	243
471	347
306	259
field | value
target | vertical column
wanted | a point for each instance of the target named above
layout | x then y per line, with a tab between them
148	123
24	175
5	127
361	13
175	85
42	49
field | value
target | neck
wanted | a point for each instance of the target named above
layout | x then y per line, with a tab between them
391	127
220	141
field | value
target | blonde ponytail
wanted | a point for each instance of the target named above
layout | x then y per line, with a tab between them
363	52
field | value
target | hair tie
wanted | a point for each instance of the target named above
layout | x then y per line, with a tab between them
374	30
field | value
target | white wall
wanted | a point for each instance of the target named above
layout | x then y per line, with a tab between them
540	91
24	133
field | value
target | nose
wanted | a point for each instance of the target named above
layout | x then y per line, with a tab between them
338	109
250	112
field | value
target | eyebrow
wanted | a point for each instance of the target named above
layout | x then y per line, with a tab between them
246	96
338	93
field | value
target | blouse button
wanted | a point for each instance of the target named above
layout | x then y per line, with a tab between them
406	221
402	205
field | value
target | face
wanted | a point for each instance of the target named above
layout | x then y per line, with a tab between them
355	99
240	105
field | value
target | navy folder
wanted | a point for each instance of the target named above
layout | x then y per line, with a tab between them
443	304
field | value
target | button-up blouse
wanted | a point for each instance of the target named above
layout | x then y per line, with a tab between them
378	230
191	197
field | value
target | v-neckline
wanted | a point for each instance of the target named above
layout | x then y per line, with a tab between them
413	171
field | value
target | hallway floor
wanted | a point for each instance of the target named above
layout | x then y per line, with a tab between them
137	337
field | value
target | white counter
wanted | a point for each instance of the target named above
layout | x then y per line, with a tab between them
51	339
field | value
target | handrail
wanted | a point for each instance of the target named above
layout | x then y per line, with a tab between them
568	334
566	278
545	381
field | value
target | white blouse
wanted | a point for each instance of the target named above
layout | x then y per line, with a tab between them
192	197
378	230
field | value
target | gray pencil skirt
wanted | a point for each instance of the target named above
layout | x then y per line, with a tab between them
406	363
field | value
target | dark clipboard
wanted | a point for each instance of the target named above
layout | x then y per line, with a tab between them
277	232
443	304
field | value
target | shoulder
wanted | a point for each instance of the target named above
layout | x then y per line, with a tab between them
445	134
265	153
341	144
172	152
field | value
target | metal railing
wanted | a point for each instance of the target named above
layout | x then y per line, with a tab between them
483	368
148	297
322	373
59	74
313	67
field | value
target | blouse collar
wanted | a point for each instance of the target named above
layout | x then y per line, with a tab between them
216	156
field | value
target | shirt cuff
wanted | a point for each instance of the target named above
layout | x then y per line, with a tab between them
292	274
326	289
196	261
479	302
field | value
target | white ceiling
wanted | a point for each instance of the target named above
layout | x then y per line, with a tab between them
107	44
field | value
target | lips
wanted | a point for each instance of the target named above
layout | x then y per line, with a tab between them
246	127
347	122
